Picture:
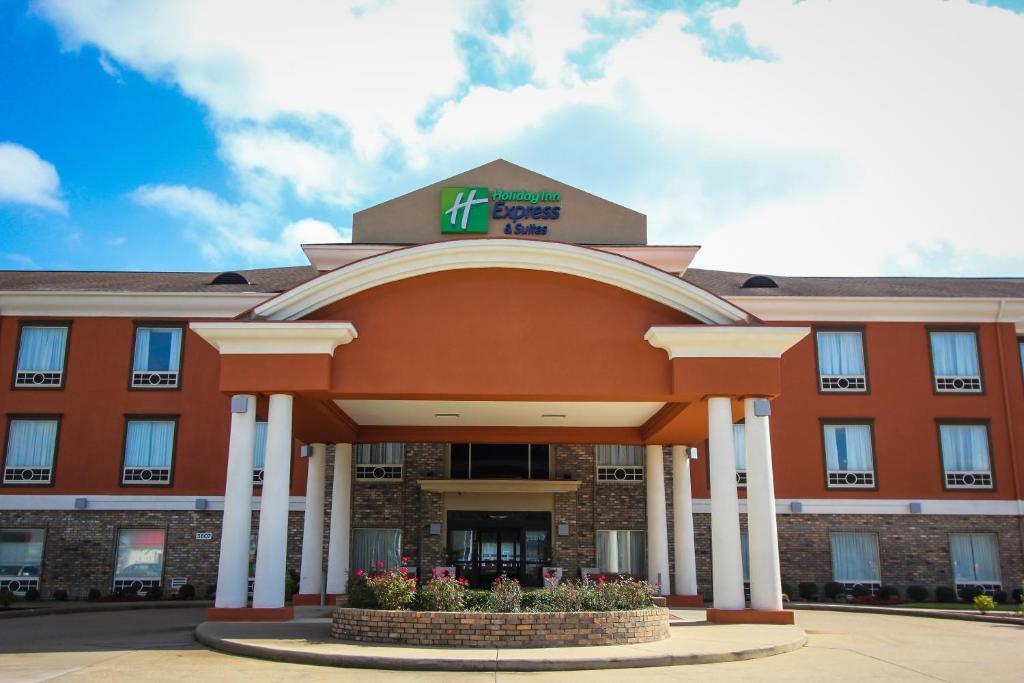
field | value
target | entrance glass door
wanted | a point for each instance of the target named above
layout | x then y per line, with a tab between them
500	553
484	545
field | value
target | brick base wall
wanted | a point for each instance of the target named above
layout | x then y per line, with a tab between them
488	629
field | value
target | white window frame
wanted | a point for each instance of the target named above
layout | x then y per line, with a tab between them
378	471
25	475
956	384
844	383
35	378
147	475
157	379
990	587
17	583
619	474
643	559
967	480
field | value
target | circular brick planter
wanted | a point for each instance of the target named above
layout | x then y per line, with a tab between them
490	629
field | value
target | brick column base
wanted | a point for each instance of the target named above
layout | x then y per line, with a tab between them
250	613
750	616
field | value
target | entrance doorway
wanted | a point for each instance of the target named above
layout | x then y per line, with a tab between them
485	545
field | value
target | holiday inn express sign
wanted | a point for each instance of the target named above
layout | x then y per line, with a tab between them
469	210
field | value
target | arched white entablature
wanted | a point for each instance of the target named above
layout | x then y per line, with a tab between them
553	257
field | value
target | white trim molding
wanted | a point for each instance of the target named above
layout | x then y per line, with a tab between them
248	337
499	486
884	309
555	257
130	304
720	341
17	501
883	506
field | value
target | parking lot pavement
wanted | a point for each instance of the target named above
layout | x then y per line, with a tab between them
157	645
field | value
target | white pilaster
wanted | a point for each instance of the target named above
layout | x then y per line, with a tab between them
236	523
311	574
272	545
765	575
657	522
341	520
682	523
726	557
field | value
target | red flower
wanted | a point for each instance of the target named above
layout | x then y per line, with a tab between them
444	572
359	572
547	575
405	559
600	579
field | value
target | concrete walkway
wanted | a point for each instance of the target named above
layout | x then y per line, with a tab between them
692	641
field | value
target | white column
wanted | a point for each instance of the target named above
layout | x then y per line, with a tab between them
726	557
236	523
657	522
272	544
682	523
765	575
311	574
341	520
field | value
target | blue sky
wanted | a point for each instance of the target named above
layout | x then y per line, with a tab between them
178	135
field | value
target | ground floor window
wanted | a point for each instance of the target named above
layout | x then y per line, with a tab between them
739	445
855	559
21	559
975	560
374	549
622	552
140	559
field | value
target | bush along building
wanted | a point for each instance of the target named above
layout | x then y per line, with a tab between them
455	388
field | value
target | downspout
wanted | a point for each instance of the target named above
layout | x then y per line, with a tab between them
1008	414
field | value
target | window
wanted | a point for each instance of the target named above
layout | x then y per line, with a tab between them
622	552
42	350
975	561
140	559
157	358
374	549
148	451
955	364
379	460
1020	348
619	463
739	446
21	559
965	456
841	366
253	538
259	453
745	561
849	457
499	461
31	447
855	559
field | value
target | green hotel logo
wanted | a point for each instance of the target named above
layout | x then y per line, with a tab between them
464	210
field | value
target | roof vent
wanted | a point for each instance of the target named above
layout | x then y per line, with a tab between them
760	282
230	278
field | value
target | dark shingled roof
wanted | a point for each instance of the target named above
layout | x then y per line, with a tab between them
719	282
728	284
261	279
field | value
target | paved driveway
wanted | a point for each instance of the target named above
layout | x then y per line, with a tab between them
156	645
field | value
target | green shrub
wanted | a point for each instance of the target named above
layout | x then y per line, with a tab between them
32	594
789	590
476	600
968	593
60	594
359	593
1017	594
808	590
859	590
94	594
6	598
917	593
834	589
506	595
442	594
888	593
154	593
291	584
1001	597
392	589
537	601
626	593
187	592
984	603
945	594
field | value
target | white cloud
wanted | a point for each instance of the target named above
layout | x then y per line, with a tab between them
889	129
27	179
225	232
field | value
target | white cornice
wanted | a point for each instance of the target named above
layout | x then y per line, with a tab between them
884	309
555	257
720	341
130	304
883	506
494	486
47	501
248	337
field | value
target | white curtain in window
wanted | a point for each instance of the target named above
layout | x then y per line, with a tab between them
621	551
855	557
848	447
975	558
371	546
42	349
149	444
739	445
380	453
259	451
964	448
157	349
840	353
955	354
611	454
31	443
745	555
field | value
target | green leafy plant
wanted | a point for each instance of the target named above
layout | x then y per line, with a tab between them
154	593
968	593
506	595
442	594
187	592
60	594
945	594
809	590
392	589
6	598
917	593
984	603
32	594
1001	597
94	594
359	593
834	589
